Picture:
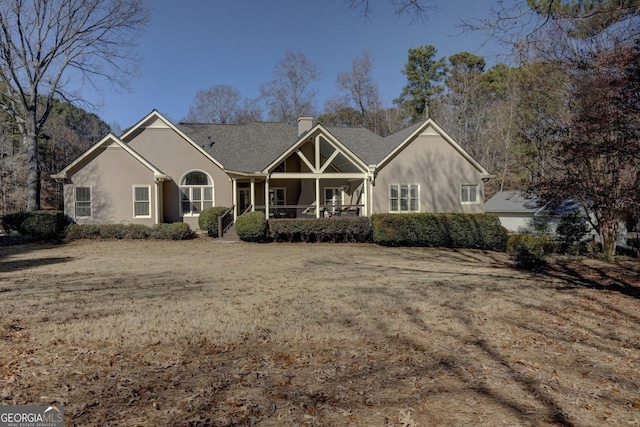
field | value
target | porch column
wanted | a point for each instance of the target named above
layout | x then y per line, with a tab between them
253	194
317	197
234	198
266	198
365	197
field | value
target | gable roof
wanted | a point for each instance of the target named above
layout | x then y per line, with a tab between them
402	138
253	147
108	140
152	120
317	130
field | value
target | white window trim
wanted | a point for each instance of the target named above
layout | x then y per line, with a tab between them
399	198
274	189
477	188
133	191
340	190
75	200
191	187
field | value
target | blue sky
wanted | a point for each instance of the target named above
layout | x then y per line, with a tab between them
195	44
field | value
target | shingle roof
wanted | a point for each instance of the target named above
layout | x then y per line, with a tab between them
368	146
512	201
247	147
519	202
251	147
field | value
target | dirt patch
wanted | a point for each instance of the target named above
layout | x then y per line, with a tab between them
203	333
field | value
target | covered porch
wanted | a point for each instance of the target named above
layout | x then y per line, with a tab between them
301	198
316	177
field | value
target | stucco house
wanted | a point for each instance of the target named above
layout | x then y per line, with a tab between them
158	171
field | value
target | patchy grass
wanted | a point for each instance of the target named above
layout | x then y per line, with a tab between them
206	333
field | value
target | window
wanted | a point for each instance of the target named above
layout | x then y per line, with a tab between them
469	193
141	201
333	197
404	198
277	197
83	202
196	193
281	167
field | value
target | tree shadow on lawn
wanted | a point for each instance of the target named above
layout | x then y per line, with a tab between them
463	366
623	278
13	250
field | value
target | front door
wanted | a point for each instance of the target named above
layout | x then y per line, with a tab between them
244	199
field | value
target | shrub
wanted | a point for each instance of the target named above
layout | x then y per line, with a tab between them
336	229
136	231
541	241
252	227
571	230
14	222
45	225
173	231
477	231
83	231
529	251
112	231
42	225
208	219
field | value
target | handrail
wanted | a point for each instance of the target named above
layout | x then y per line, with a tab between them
247	209
223	221
301	211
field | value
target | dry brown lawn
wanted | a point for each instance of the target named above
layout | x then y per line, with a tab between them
201	333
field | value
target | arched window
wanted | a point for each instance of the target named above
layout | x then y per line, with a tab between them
196	193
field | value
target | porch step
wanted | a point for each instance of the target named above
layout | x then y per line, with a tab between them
230	235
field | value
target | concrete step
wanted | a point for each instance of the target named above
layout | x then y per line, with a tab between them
230	235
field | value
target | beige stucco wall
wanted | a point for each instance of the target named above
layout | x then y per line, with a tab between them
430	161
175	156
111	174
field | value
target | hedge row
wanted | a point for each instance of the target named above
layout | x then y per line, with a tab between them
174	231
336	229
476	231
42	225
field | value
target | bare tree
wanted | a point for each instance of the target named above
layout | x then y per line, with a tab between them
250	111
46	45
415	9
360	87
218	104
223	104
289	95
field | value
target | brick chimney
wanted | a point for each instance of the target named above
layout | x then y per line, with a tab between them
305	123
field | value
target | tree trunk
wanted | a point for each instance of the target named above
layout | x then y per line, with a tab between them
608	231
30	140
